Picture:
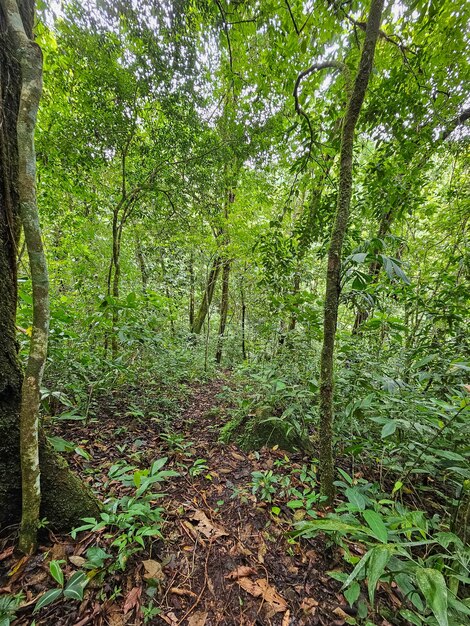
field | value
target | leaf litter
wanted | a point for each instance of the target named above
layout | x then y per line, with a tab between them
225	558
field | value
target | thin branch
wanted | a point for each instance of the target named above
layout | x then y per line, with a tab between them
292	16
315	68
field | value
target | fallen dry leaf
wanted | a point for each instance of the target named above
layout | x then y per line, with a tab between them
309	606
206	527
170	618
153	570
198	618
183	592
240	572
6	553
286	618
261	588
132	599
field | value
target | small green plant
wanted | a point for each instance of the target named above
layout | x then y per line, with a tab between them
8	607
401	546
176	442
264	484
131	519
199	467
72	589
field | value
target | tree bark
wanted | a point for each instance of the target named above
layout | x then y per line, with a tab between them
207	297
64	499
339	229
30	59
223	310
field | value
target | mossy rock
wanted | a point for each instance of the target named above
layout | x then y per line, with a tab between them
253	432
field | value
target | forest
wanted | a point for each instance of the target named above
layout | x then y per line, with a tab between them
234	312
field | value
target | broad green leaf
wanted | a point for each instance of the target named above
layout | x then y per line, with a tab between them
356	498
388	429
352	592
433	587
56	572
75	592
379	557
48	598
376	524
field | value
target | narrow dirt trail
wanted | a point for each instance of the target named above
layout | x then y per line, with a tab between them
225	558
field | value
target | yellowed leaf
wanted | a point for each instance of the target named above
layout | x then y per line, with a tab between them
153	570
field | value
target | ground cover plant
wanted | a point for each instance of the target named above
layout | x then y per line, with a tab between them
234	295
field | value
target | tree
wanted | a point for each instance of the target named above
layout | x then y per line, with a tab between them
340	225
64	499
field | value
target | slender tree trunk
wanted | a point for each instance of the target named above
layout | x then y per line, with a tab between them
139	253
191	290
223	309
339	229
64	498
243	324
207	297
30	57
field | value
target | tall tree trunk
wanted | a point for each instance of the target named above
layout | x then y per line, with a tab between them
223	309
244	355
64	499
139	253
207	297
30	58
191	289
339	229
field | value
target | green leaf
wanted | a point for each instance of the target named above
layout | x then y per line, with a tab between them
376	524
56	572
379	557
75	592
433	587
388	429
48	598
357	570
356	498
352	593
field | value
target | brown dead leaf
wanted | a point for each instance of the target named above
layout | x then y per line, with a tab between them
6	553
183	592
341	614
115	617
240	572
153	570
286	618
237	456
58	552
261	588
206	527
198	618
309	605
132	599
262	550
170	618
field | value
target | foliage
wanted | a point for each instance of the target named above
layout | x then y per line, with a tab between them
131	520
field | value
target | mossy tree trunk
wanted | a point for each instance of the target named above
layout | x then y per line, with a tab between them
30	59
207	297
223	310
333	275
64	499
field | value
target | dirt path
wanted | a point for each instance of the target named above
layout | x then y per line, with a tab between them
226	558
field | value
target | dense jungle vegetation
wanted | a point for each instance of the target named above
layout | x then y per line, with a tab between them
234	297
